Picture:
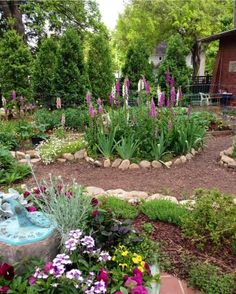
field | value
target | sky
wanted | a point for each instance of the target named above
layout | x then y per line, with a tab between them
110	10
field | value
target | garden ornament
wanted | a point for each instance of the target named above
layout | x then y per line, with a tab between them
24	227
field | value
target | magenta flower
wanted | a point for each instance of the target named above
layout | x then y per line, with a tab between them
172	82
32	280
31	209
172	95
25	108
88	97
99	101
103	276
130	283
139	290
162	99
147	87
117	87
48	266
111	98
4	289
13	95
168	104
91	111
168	77
153	112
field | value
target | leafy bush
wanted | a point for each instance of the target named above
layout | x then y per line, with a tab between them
54	147
121	208
210	280
106	143
206	119
213	218
10	169
75	118
8	134
127	147
164	210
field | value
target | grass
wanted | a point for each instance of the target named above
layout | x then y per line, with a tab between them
164	210
121	208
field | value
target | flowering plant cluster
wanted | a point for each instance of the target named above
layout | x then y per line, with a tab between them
7	274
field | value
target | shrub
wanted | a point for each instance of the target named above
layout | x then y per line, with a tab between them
8	134
210	280
15	65
10	169
213	218
164	210
54	147
126	147
100	69
121	208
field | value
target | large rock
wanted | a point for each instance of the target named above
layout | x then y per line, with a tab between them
116	163
13	153
227	159
168	164
177	161
145	164
20	155
44	250
134	166
68	156
229	151
183	159
80	154
156	164
107	163
24	161
232	165
61	160
115	192
189	156
89	160
97	163
95	191
137	194
193	151
35	160
124	164
160	196
32	153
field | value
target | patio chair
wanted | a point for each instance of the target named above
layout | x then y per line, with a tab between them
205	99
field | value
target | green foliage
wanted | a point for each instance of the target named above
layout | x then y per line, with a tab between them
213	218
158	148
164	210
121	208
106	143
100	69
76	118
127	147
44	72
8	134
206	119
67	205
175	62
148	228
54	147
210	280
10	169
25	130
71	75
137	64
15	65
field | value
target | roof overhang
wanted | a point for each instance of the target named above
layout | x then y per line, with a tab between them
218	36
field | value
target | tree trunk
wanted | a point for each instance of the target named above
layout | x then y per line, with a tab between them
196	57
11	9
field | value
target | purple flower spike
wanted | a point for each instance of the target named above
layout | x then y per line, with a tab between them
99	101
168	103
111	98
172	95
25	108
162	99
118	88
172	82
100	109
91	111
21	100
168	77
13	95
153	112
147	87
88	97
127	82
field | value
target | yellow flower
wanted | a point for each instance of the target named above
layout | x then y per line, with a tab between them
123	265
125	253
141	268
142	263
137	258
113	258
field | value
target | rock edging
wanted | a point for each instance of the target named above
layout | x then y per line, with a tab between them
226	160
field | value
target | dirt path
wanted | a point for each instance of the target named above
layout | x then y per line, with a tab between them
201	172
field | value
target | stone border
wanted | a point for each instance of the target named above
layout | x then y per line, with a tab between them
226	160
134	197
145	164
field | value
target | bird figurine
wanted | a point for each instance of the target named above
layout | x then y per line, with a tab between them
26	218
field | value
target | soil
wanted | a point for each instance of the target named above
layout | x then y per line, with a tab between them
203	171
181	252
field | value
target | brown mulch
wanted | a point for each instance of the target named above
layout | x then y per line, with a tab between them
182	251
201	172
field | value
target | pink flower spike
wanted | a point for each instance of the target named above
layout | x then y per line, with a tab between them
100	109
58	103
21	100
13	95
153	112
91	111
25	108
32	280
117	87
88	97
111	99
99	101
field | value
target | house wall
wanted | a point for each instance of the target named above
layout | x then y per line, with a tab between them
225	73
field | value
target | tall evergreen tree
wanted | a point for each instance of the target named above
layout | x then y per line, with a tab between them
175	62
100	69
71	76
137	64
15	65
45	71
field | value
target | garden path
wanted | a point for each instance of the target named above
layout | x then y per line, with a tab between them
179	181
